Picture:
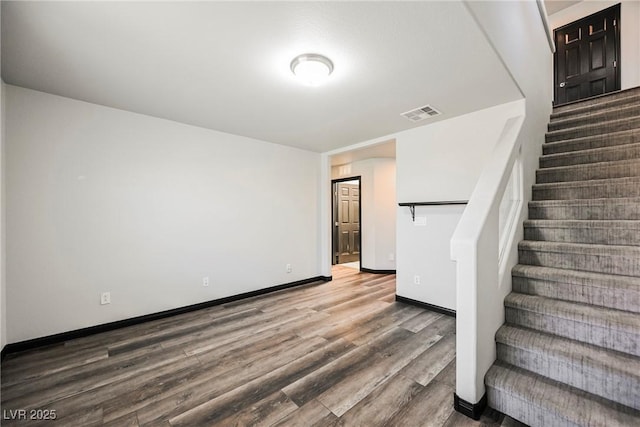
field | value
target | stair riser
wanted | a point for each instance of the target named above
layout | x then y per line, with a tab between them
627	169
621	112
607	155
595	379
538	401
598	141
596	129
599	236
597	102
524	411
627	265
628	189
611	297
593	109
600	211
614	339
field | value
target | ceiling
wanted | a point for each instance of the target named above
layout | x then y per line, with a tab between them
225	65
554	6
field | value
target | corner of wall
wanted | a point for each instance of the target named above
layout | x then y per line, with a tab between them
3	286
3	282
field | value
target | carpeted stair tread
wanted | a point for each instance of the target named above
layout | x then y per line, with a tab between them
588	110
542	402
591	189
604	115
605	232
584	172
609	208
596	100
603	290
604	327
607	259
603	372
593	129
592	155
616	139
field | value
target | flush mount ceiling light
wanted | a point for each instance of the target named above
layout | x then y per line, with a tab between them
311	68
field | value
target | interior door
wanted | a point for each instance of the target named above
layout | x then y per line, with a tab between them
587	58
348	222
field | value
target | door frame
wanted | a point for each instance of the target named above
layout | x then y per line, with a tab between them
334	241
617	7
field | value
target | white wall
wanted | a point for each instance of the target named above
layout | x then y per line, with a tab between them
385	202
378	222
423	251
100	199
442	161
629	33
439	162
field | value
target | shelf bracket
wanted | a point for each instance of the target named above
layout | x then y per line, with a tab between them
412	208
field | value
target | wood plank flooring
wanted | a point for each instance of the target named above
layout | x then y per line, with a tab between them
342	353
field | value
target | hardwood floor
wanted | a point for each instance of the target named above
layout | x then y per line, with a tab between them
329	354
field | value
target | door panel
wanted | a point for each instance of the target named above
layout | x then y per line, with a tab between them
356	242
597	51
344	242
344	211
587	56
349	223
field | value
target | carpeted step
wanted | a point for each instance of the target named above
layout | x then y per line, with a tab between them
606	373
616	139
602	170
601	232
594	155
593	189
587	110
601	116
542	402
604	327
596	100
603	290
607	259
587	209
594	129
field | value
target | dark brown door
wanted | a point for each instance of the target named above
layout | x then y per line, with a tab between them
587	58
348	222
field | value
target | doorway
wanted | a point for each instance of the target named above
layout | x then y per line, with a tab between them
587	58
346	213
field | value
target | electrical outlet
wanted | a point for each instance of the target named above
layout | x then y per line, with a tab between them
392	256
416	280
205	281
289	269
105	298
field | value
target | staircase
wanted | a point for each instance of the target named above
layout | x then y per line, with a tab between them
569	352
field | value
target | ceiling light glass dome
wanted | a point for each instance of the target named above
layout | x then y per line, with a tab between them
311	69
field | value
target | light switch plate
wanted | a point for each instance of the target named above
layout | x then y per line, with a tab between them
421	221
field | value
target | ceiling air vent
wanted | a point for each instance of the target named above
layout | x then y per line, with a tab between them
421	113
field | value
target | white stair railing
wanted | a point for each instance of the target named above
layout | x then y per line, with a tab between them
478	246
